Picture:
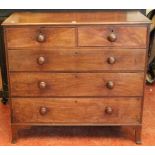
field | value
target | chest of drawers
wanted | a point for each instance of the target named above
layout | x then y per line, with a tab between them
76	68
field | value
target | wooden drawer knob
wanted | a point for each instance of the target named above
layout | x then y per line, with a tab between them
112	37
42	85
111	60
108	110
41	60
41	37
43	110
110	84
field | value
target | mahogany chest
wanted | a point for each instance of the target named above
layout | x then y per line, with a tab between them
76	68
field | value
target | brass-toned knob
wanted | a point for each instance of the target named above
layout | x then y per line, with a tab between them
42	85
111	60
41	60
110	84
108	110
43	110
41	37
112	37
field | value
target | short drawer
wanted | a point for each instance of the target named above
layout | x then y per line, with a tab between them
76	84
76	110
77	60
113	36
33	37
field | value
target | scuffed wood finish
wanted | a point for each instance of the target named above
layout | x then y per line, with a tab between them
127	36
76	17
76	68
85	60
26	37
84	111
76	84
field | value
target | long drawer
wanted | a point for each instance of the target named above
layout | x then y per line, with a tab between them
113	36
76	84
77	60
76	110
36	37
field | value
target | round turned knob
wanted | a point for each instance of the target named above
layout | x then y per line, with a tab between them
110	84
41	60
42	85
41	38
112	37
111	60
108	110
43	110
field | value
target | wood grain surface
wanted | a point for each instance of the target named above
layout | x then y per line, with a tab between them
127	36
85	60
26	37
76	84
84	111
76	17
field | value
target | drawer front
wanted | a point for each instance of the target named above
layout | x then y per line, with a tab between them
123	36
29	37
76	84
76	60
76	110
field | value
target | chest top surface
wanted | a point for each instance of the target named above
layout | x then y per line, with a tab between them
76	18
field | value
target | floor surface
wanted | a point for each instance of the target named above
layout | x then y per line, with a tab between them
79	136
